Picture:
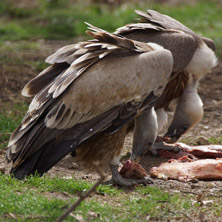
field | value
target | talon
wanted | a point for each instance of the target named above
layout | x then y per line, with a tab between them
148	180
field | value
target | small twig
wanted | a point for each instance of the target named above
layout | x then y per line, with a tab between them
211	195
188	217
189	192
82	197
184	214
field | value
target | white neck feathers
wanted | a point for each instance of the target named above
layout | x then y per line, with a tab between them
204	59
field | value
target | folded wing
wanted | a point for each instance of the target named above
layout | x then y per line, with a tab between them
109	81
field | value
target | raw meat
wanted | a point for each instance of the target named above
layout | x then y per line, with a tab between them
186	169
132	170
204	151
178	150
172	155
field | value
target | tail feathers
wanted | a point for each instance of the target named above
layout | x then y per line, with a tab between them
24	169
45	158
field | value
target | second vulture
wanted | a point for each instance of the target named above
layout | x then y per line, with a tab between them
193	57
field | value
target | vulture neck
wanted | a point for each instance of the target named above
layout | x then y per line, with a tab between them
189	112
190	104
204	59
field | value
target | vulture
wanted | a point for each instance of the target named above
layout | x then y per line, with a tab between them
84	100
193	57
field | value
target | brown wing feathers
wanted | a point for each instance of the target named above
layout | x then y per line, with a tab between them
78	57
173	90
163	21
55	81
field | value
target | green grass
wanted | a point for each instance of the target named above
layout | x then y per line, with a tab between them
215	140
70	186
59	19
63	20
44	199
10	118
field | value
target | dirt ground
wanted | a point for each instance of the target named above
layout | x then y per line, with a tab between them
14	76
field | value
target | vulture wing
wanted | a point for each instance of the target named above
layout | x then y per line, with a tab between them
109	81
182	45
164	21
157	28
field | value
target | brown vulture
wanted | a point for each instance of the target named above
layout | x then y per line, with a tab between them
84	100
193	57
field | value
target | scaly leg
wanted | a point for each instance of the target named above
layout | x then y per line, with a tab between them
161	145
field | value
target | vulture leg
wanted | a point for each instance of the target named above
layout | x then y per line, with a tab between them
117	179
162	119
160	145
103	149
145	133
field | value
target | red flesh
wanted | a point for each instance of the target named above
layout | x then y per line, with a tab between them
132	170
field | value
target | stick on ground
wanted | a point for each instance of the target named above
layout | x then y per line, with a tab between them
82	197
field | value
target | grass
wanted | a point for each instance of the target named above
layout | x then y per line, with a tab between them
70	186
44	199
10	118
194	141
215	140
57	19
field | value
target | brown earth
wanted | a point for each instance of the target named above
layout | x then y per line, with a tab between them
17	69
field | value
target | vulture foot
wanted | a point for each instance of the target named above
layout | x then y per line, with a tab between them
157	146
117	179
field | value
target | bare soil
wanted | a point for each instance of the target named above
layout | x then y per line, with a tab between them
14	76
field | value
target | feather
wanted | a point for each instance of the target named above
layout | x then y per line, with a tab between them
43	79
121	42
61	55
164	21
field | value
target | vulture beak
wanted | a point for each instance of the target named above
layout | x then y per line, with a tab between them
188	114
176	133
145	133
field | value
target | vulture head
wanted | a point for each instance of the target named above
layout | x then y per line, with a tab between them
188	114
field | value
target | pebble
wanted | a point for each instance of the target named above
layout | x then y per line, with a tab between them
203	141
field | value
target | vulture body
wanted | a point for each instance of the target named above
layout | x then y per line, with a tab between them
84	100
193	57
